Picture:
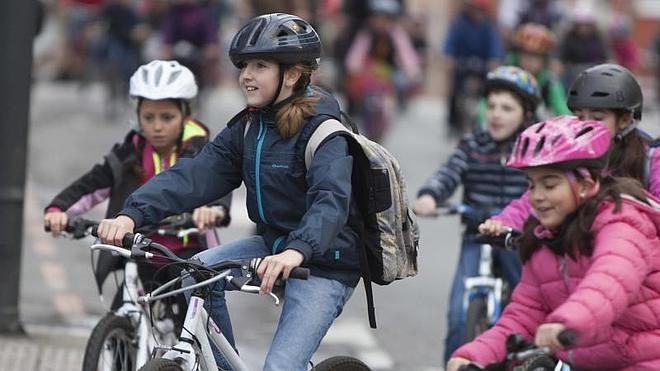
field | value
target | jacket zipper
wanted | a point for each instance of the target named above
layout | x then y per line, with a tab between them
257	169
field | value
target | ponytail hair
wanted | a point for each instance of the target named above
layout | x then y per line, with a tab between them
291	117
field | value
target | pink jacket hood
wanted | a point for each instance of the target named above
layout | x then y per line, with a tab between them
610	299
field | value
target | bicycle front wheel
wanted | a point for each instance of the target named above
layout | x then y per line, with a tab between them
341	363
476	319
160	364
111	346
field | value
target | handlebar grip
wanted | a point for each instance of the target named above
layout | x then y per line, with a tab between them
127	240
567	337
299	273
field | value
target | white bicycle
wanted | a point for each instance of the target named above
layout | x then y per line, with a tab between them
126	337
193	351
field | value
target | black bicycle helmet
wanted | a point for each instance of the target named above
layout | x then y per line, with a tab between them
284	38
607	86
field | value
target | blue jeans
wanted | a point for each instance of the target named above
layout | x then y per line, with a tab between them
310	307
468	266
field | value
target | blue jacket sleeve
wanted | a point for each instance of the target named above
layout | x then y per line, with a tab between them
328	199
190	183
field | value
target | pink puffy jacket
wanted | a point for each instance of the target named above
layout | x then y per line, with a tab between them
611	299
516	212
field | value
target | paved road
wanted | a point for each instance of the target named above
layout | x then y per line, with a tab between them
59	299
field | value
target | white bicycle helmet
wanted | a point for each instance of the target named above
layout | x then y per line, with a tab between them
163	80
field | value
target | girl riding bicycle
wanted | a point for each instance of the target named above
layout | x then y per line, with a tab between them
167	133
512	96
610	94
591	256
301	214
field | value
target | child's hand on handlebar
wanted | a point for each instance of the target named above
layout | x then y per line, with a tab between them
206	217
547	335
455	363
425	205
271	267
56	221
493	228
112	231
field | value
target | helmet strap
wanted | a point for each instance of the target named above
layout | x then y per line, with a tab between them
279	85
627	130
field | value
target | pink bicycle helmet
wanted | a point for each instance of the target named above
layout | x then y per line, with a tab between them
564	142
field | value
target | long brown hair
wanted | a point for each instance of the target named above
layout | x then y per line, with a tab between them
578	237
291	117
628	157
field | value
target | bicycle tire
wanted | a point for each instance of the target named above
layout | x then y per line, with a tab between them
116	335
538	363
160	364
341	363
476	319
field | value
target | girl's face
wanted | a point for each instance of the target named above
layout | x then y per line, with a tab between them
161	122
607	117
504	115
551	195
258	81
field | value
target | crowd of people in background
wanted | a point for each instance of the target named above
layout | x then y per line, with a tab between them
371	46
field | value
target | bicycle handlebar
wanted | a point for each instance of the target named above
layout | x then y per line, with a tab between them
507	240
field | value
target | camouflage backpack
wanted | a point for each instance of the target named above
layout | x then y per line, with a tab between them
386	226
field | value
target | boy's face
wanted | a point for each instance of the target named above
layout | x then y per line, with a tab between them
504	115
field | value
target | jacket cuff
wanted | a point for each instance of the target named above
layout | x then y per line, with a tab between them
225	222
53	209
134	214
302	247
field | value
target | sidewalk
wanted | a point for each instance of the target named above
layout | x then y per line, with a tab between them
43	349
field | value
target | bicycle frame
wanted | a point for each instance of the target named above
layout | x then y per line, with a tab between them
194	330
136	313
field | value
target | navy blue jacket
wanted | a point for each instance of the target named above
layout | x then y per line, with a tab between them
479	164
295	208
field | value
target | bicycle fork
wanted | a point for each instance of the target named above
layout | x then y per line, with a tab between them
485	285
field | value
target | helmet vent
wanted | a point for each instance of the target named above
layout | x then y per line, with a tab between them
540	128
145	75
257	32
173	77
573	93
555	139
583	131
539	146
525	145
600	94
159	74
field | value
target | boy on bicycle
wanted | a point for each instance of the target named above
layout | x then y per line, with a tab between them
478	163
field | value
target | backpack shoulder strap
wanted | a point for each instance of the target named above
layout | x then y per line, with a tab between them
321	133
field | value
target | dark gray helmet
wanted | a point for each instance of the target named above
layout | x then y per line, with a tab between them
607	86
281	37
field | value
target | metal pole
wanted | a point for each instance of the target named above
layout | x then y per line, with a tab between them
17	26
